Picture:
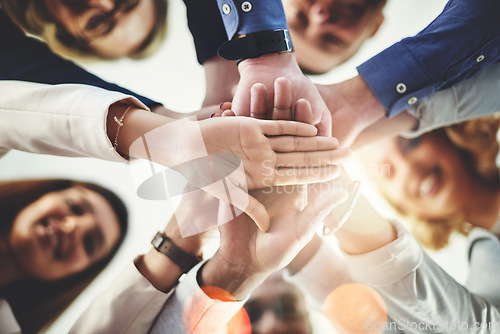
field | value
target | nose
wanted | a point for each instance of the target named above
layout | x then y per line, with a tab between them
319	14
68	225
107	5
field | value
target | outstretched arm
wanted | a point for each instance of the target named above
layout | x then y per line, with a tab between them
247	255
461	41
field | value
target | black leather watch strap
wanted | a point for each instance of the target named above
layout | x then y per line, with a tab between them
256	44
184	260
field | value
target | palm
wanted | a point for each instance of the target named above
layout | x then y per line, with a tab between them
292	226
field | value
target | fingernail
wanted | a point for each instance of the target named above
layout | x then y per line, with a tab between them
220	105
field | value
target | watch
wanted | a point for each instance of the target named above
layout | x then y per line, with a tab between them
164	245
256	44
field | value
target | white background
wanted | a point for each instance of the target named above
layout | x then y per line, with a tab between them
174	77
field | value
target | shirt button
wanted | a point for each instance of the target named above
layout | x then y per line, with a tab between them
412	100
480	58
401	88
246	6
226	9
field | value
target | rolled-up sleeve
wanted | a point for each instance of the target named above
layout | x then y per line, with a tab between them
464	39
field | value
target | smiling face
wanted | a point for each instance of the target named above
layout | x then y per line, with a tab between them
63	233
326	33
113	28
425	178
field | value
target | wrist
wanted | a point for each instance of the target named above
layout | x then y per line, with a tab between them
235	278
372	106
305	255
159	270
284	61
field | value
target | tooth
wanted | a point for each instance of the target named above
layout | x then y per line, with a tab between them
426	185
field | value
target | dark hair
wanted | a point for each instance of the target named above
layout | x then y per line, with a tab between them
34	18
37	303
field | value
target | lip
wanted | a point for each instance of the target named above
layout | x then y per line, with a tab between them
429	184
49	236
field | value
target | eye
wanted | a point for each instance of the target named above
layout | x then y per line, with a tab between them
405	145
89	245
96	22
128	5
302	19
75	208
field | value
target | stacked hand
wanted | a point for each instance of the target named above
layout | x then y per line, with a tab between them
266	70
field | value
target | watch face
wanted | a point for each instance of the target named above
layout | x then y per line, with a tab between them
157	240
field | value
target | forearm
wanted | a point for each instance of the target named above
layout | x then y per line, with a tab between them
158	138
455	46
217	90
158	268
365	230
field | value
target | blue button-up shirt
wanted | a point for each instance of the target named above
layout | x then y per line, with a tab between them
27	59
463	39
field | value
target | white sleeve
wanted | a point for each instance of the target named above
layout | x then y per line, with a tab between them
130	305
473	98
8	323
420	296
325	271
191	310
66	119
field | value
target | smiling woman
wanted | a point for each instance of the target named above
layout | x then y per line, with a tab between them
445	181
55	237
90	29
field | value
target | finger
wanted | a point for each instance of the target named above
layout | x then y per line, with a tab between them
258	213
214	115
238	198
303	112
295	144
282	99
225	106
258	101
288	176
325	125
277	128
228	113
313	159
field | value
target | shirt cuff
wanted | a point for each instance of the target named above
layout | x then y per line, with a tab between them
244	17
396	78
200	313
388	264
